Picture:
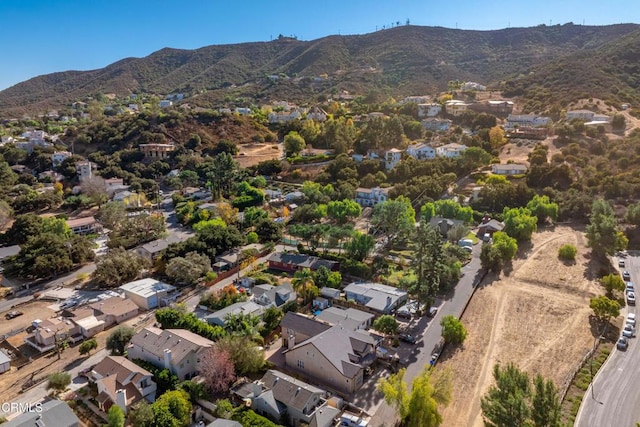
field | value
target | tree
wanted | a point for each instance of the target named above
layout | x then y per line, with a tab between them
96	189
324	277
294	143
543	208
217	369
497	137
270	320
519	223
253	214
6	213
118	267
419	408
141	414
567	252
506	402
604	308
632	215
545	405
87	346
602	232
24	226
112	214
268	231
428	261
58	381
222	175
360	246
188	269
343	210
227	213
118	339
457	232
387	324
508	246
247	357
612	282
304	284
172	409
394	218
491	258
115	417
453	331
618	122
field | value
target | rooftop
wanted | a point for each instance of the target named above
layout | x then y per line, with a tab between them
147	287
288	390
55	413
303	324
336	315
180	341
79	222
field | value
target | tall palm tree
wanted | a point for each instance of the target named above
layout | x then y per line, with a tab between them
302	281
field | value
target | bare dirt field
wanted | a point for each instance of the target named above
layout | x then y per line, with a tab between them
32	310
517	150
252	154
537	316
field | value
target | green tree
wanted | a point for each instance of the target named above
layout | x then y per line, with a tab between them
118	267
602	232
172	409
567	252
112	214
545	405
632	215
418	408
246	355
58	381
453	331
87	346
343	210
604	308
141	414
360	246
394	218
24	226
618	122
294	143
491	258
457	232
428	262
543	208
427	211
508	246
506	402
304	284
222	175
519	223
118	339
188	269
115	417
387	324
324	277
612	282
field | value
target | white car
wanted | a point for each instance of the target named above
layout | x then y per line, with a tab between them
629	287
631	298
628	331
631	319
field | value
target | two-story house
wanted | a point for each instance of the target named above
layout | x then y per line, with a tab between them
452	150
435	124
455	107
121	382
177	350
274	296
429	110
526	120
392	157
371	196
58	157
421	151
51	331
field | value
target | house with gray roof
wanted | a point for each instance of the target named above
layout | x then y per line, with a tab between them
54	413
221	422
244	307
279	396
177	350
274	296
297	328
336	358
376	296
358	319
291	262
153	250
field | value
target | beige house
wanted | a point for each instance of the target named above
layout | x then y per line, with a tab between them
101	315
49	331
157	151
335	358
82	226
122	382
178	350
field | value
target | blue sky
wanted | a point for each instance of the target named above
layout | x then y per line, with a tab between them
44	36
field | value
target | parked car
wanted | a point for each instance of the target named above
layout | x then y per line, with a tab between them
630	287
407	338
626	276
631	298
621	263
13	314
432	312
622	343
631	319
628	331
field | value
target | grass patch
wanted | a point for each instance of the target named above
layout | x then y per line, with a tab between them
472	236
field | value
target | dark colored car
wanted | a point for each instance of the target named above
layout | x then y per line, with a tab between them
407	338
621	263
626	276
622	343
13	314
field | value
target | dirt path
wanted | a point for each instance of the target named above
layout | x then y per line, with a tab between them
536	314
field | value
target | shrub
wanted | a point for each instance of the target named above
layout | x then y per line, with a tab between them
567	252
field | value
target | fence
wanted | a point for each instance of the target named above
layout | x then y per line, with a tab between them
567	383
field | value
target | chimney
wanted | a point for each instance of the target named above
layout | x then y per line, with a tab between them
388	301
292	341
167	359
121	399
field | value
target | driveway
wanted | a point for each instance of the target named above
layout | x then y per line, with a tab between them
613	399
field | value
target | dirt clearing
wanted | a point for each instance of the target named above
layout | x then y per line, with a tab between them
536	317
252	154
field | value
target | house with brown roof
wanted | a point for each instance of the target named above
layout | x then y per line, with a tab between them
83	226
103	314
336	358
177	350
121	382
50	331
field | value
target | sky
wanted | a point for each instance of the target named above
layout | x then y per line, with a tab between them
44	36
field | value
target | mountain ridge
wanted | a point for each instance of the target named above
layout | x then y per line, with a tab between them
407	59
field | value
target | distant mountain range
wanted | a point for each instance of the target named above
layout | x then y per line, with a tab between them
546	64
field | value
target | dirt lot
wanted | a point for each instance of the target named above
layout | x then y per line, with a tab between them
32	310
537	316
518	150
252	154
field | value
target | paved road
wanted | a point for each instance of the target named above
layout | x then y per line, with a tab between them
613	399
416	357
39	392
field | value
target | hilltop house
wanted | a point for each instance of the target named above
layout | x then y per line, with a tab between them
435	124
392	157
421	151
83	226
455	107
452	150
526	120
509	169
157	151
429	110
121	382
371	196
177	350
